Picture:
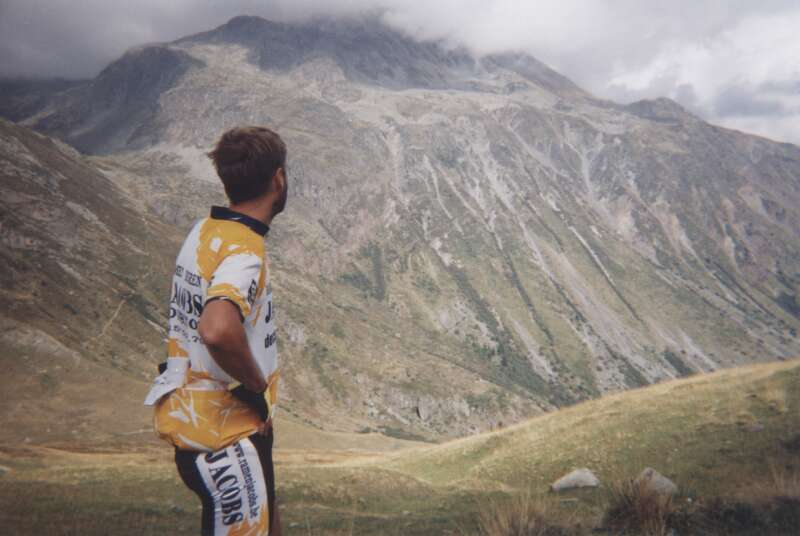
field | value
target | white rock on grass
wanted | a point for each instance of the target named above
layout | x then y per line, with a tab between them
657	482
579	478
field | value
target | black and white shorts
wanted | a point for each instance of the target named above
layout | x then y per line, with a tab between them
236	485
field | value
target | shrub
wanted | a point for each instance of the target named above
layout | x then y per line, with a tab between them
636	508
521	515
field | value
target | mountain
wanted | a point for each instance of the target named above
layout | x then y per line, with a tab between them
83	292
469	241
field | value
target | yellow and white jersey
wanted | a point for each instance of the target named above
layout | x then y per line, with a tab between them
223	257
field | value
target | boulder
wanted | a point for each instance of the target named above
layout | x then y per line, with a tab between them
657	482
579	478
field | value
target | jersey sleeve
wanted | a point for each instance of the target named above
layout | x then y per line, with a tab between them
237	278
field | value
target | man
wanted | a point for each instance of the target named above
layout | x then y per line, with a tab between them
216	394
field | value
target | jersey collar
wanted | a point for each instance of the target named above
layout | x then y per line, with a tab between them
224	213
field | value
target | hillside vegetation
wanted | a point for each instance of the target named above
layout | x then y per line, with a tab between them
722	435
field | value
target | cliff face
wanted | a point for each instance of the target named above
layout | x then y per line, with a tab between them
468	241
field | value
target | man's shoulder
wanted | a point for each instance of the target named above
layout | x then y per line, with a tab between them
230	237
229	242
194	230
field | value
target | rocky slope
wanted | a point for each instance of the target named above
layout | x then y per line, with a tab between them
468	240
83	293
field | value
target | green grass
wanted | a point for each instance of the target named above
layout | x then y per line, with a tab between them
321	359
694	430
690	429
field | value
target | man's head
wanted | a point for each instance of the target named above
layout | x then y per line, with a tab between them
251	162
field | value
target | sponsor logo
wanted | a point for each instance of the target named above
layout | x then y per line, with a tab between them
191	278
185	305
249	483
233	486
270	339
187	301
227	486
251	293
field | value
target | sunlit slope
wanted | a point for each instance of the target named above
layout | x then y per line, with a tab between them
694	430
703	432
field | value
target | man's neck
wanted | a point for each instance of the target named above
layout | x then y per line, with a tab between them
260	209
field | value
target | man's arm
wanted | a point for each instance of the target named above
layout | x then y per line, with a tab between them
223	334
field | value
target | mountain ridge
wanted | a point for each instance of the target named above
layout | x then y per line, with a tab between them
531	243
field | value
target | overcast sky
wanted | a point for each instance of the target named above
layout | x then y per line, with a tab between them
733	62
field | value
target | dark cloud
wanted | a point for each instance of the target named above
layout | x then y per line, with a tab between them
744	101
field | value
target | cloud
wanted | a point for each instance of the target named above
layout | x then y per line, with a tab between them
745	75
733	62
745	101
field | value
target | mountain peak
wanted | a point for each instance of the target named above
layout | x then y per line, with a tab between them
532	69
660	109
373	52
368	50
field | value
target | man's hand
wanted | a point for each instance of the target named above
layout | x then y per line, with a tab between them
265	426
222	332
256	401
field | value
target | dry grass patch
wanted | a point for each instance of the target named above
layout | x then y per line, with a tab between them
521	515
636	508
784	482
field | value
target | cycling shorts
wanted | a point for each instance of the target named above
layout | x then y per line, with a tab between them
236	485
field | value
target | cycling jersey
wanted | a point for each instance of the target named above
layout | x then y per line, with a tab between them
223	257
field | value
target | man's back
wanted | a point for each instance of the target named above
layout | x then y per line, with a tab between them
222	257
215	398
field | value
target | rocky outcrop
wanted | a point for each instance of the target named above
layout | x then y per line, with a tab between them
118	109
654	481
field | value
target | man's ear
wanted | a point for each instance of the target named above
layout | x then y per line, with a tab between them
279	180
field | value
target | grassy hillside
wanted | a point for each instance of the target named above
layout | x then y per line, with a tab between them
725	434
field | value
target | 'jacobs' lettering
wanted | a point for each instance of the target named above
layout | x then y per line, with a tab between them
228	508
227	482
217	472
213	457
228	486
231	494
186	301
231	519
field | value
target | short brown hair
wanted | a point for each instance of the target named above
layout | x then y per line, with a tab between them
246	158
